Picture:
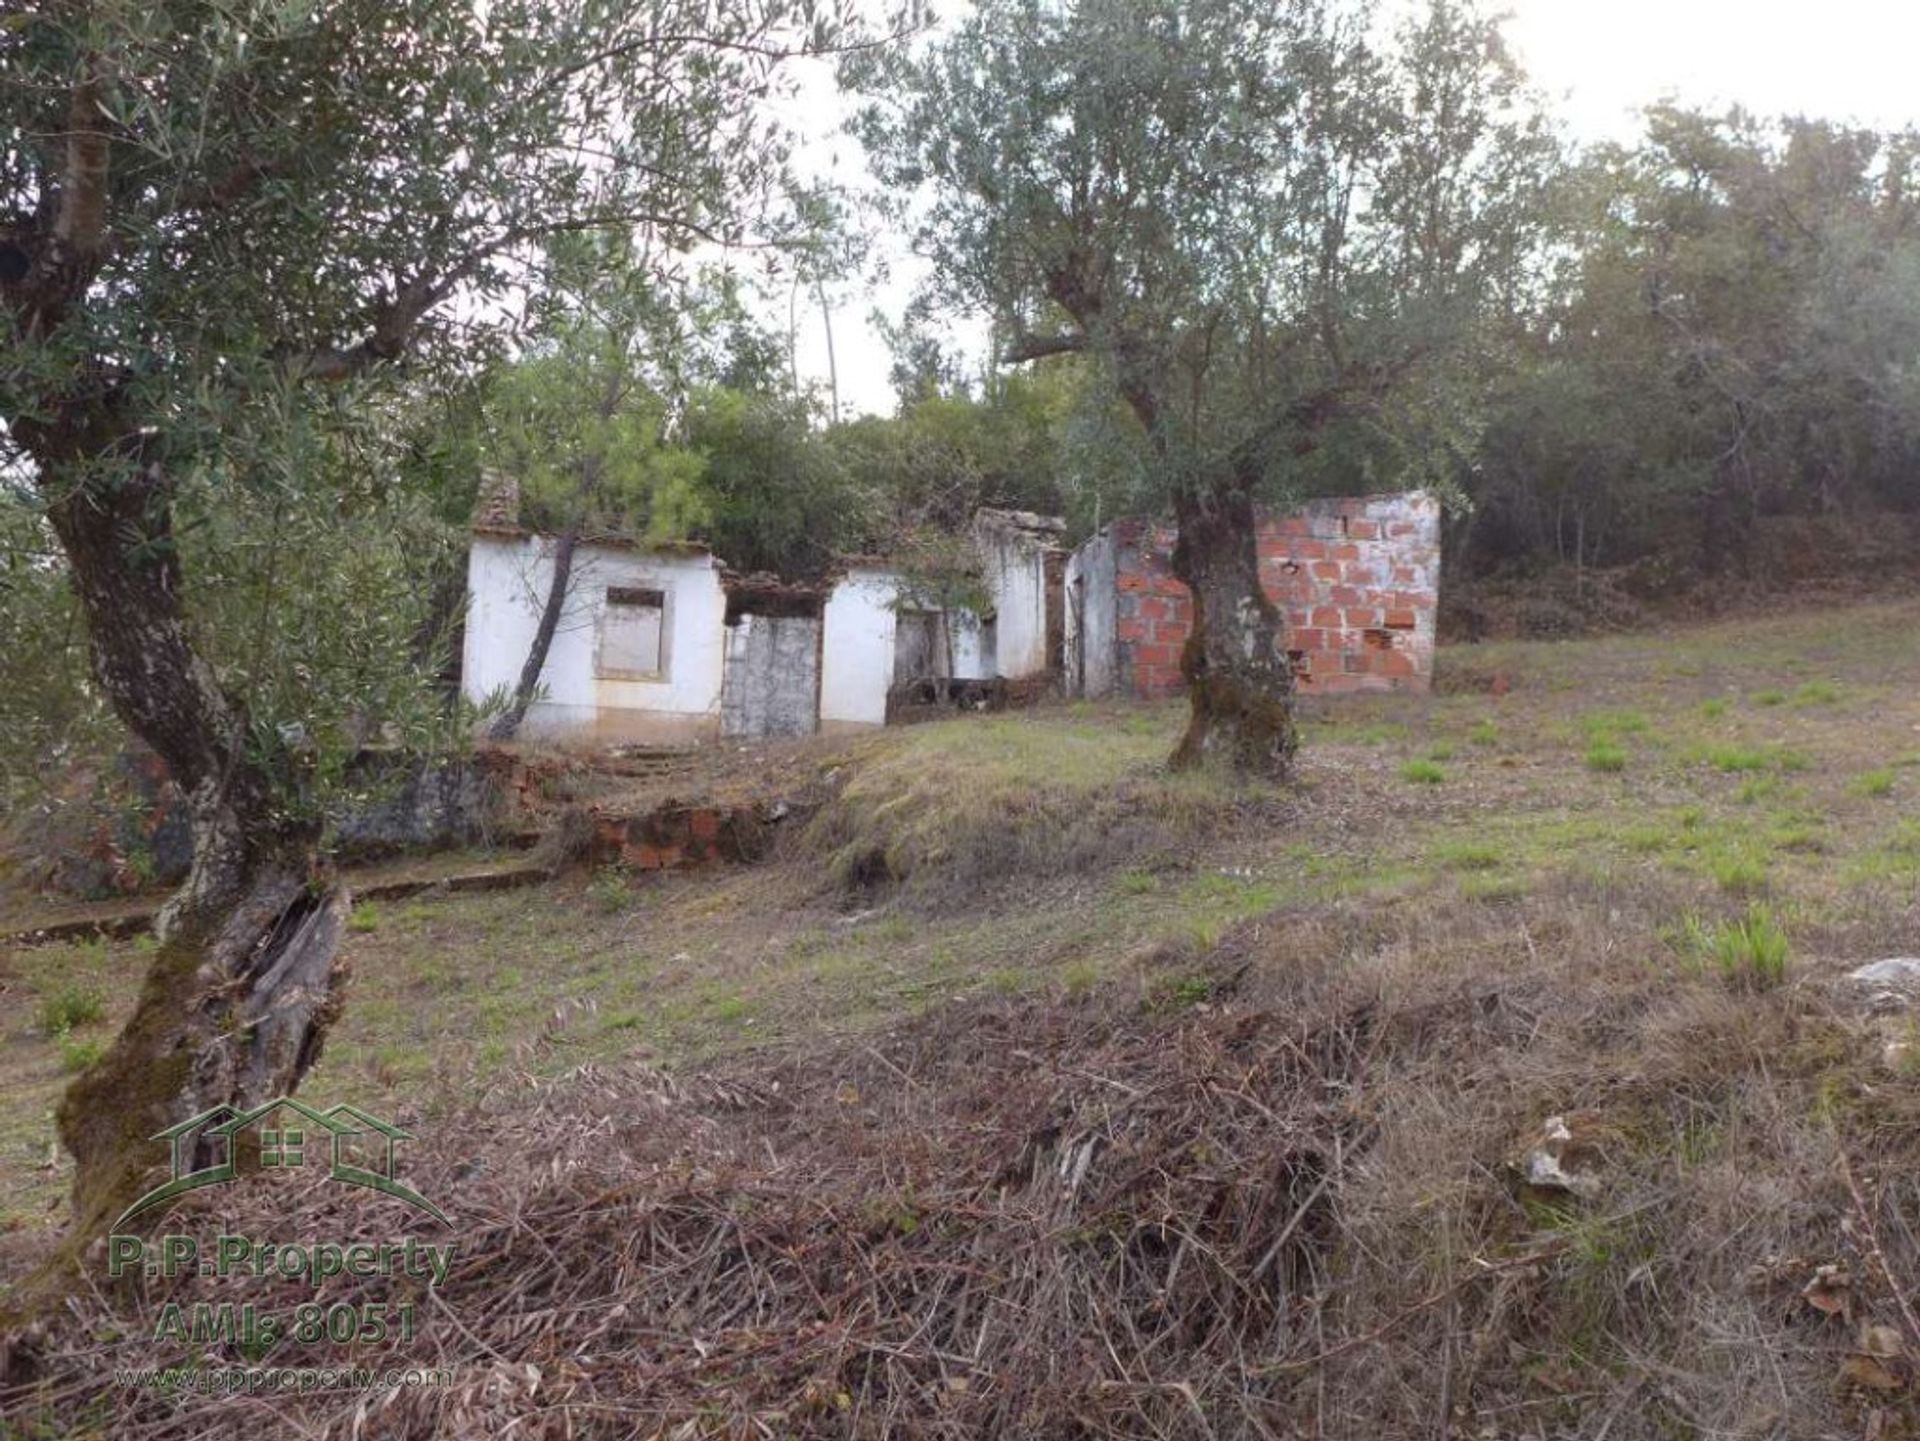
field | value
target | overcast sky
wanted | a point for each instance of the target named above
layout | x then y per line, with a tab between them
1598	61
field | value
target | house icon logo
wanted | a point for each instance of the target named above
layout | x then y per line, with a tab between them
282	1135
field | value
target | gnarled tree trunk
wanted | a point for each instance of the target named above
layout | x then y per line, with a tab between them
246	981
1239	680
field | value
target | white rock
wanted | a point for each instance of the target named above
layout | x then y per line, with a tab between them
1889	984
1899	971
1546	1163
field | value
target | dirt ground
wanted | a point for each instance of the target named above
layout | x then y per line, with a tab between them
1773	761
1028	1089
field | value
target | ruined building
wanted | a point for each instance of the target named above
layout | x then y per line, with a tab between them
662	644
1357	581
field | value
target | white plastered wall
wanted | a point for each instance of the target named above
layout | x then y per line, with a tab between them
507	581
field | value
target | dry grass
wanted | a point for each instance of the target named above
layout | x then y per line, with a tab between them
951	813
1287	1208
1208	1131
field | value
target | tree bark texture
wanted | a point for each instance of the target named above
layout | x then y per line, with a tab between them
246	981
1239	680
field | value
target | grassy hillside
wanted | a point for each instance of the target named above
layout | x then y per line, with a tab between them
1225	1094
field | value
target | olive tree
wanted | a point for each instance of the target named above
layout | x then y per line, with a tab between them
1258	216
228	222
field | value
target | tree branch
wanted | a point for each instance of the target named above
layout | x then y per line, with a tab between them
1301	423
396	320
52	268
81	225
1038	347
775	53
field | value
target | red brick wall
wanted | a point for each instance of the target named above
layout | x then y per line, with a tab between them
1357	581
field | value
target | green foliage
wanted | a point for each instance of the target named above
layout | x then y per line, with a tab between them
1423	772
610	891
1751	952
1469	855
1023	445
1873	784
1179	993
1081	194
1736	873
1606	757
1816	692
1734	759
1728	340
317	602
776	494
1603	723
584	437
76	1055
277	203
68	1007
50	712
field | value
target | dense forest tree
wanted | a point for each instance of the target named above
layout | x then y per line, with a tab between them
1254	218
222	228
1733	338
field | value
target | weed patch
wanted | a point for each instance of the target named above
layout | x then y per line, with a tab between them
1873	784
1816	692
70	1007
1750	953
1468	855
1605	757
956	808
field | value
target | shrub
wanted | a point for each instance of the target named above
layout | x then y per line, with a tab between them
70	1007
1817	692
1423	772
608	891
78	1055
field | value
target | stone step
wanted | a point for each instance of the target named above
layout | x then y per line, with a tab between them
122	920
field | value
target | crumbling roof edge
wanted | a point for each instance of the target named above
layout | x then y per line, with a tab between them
606	539
1298	507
